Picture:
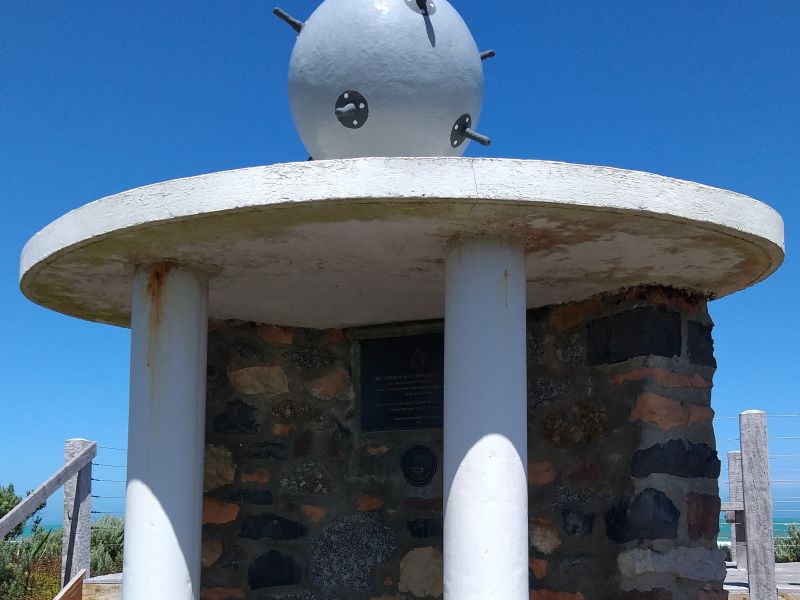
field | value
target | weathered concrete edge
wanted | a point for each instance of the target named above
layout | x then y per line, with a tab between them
433	179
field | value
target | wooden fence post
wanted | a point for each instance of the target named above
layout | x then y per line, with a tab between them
77	515
736	516
757	505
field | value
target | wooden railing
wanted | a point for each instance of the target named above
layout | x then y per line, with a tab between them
74	588
76	478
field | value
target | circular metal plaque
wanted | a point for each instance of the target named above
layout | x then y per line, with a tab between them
351	109
457	136
419	465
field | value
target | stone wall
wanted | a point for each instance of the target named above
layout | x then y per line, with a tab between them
302	505
622	462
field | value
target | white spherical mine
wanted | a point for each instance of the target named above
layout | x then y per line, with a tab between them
385	78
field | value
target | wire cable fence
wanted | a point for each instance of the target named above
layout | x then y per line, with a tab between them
108	486
784	465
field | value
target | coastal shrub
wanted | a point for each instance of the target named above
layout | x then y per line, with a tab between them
105	554
8	500
726	552
30	568
787	548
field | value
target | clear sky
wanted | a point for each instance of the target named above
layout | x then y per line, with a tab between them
99	96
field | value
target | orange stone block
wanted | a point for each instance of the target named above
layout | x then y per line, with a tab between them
663	377
333	336
281	429
666	299
329	386
568	315
365	503
258	476
217	511
538	567
273	334
667	413
541	472
314	513
377	450
210	552
551	595
221	593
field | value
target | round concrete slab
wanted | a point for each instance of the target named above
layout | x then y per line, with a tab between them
360	241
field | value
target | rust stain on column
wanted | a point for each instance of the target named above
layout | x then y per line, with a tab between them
155	290
156	281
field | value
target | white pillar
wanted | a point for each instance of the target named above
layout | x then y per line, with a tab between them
163	501
485	423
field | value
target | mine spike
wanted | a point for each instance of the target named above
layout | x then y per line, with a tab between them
488	54
477	137
295	24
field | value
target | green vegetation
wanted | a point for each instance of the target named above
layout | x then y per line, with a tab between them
105	554
30	568
8	500
787	549
726	552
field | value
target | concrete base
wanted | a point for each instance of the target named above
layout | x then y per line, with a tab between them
787	576
105	587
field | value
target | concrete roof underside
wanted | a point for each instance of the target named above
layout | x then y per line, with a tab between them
354	242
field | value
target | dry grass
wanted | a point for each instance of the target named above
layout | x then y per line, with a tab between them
45	581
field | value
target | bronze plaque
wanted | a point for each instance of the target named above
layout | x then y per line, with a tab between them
402	382
419	465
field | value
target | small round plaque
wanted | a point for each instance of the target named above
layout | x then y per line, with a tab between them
351	109
419	465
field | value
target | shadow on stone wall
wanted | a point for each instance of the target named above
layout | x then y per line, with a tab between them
300	504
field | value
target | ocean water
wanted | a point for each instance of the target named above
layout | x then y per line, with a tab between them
26	531
780	528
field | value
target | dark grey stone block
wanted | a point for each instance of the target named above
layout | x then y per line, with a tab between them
700	344
676	457
279	450
252	496
651	515
238	418
638	332
268	525
424	528
273	569
576	523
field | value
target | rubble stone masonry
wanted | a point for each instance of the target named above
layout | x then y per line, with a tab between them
300	504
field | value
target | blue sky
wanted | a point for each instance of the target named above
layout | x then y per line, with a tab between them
97	97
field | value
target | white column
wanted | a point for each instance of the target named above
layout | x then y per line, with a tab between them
163	501
485	423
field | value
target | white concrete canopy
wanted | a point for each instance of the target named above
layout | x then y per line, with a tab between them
359	241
